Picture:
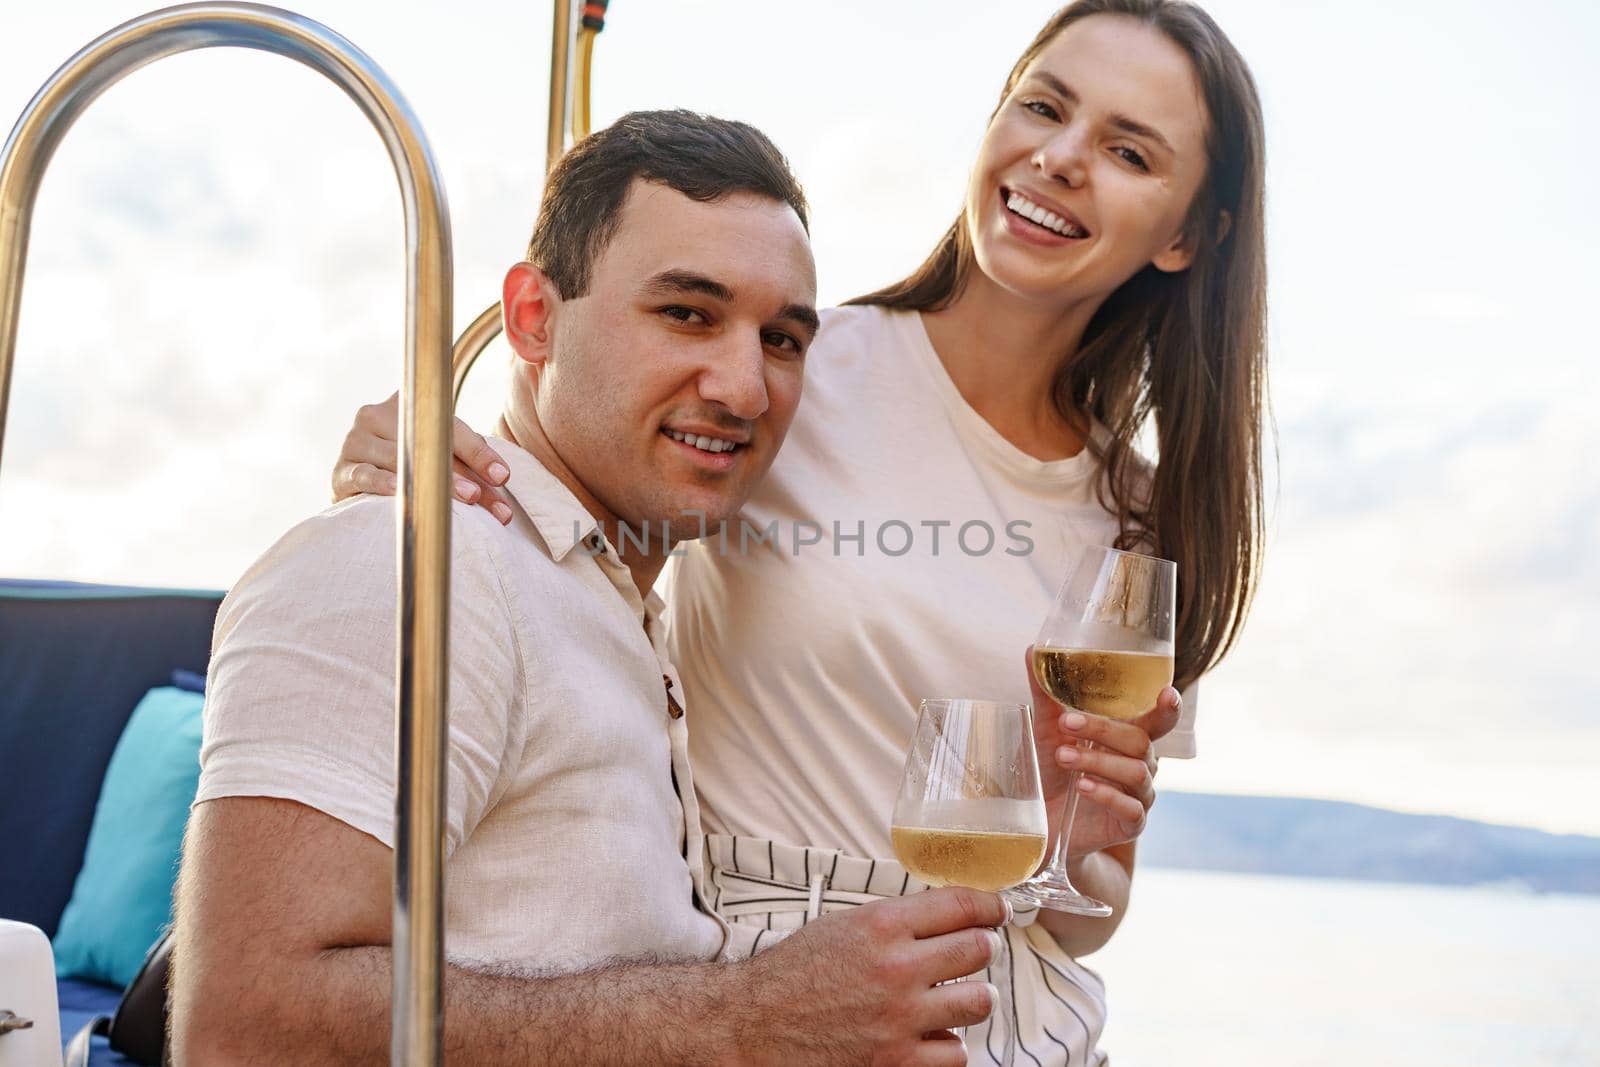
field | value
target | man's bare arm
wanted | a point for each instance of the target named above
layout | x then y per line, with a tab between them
283	956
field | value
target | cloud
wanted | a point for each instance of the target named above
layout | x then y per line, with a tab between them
216	284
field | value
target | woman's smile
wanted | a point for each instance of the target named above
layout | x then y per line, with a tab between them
1043	214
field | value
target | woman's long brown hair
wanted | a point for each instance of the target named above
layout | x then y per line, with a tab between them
1186	350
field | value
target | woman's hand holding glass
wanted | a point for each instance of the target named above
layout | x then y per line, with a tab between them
1104	655
1115	776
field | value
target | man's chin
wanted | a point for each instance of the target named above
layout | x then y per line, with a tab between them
694	523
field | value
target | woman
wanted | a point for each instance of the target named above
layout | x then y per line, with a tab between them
1105	279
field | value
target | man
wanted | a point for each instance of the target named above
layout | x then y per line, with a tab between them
659	329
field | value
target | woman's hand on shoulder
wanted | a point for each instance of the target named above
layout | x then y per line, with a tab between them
369	460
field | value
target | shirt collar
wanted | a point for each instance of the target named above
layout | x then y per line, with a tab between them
555	512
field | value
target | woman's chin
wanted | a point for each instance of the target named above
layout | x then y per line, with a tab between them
1061	281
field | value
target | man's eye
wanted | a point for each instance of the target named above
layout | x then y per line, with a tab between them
683	314
780	340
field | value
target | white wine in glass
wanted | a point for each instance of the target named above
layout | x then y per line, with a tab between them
1105	649
970	810
990	860
1116	685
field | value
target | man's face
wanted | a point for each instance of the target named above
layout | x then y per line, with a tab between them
670	385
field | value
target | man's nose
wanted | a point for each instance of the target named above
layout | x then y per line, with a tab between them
1065	157
737	379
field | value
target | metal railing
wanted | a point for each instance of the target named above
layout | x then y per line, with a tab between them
424	529
574	26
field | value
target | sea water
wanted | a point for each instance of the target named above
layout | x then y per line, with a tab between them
1244	970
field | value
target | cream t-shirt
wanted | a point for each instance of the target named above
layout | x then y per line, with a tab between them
915	554
571	828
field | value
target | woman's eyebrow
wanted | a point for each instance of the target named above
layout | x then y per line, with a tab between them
1117	120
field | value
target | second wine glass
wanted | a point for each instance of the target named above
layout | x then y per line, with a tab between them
1105	649
971	812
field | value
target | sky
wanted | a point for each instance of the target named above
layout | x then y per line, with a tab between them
215	283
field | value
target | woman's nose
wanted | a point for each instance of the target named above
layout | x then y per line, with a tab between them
1064	158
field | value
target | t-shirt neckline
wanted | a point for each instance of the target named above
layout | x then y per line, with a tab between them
976	428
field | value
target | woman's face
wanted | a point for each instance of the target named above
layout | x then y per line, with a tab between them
1088	169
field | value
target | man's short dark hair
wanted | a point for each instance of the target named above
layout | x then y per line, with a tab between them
702	157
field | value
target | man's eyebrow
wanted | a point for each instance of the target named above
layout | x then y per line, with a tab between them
671	282
1121	122
805	315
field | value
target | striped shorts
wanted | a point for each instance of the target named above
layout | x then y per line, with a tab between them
767	890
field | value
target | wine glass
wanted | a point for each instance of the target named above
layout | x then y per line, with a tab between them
1105	649
970	809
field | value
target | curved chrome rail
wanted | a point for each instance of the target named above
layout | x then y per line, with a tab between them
424	532
569	109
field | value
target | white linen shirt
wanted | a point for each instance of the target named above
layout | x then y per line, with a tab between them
571	826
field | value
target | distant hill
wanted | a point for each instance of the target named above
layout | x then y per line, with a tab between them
1330	839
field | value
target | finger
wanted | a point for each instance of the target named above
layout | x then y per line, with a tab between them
1130	812
471	449
350	479
496	501
363	446
1125	772
940	1049
464	483
956	1004
1124	738
955	955
1160	720
470	489
381	419
941	911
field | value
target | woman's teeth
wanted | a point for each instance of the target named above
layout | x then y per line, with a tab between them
1021	205
704	444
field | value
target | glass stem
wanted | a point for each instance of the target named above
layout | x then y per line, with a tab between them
1069	811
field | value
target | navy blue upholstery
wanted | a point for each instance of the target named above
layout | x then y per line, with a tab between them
80	1003
74	660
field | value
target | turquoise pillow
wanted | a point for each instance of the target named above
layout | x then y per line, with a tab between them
123	896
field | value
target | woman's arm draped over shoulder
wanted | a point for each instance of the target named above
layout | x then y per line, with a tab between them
369	460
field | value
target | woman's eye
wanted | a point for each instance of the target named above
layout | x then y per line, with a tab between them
1133	158
683	314
1040	107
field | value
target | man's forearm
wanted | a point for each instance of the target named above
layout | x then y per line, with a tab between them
1105	875
335	1011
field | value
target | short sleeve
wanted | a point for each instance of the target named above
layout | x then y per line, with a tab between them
300	696
1179	743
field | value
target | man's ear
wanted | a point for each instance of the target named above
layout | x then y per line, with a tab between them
529	304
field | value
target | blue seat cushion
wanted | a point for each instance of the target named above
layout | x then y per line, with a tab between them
80	1003
123	896
74	660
